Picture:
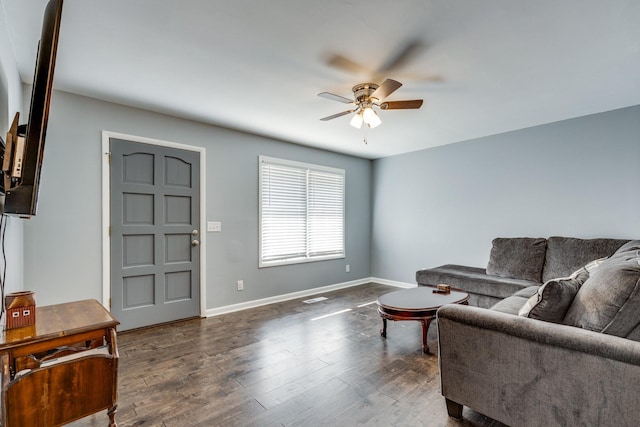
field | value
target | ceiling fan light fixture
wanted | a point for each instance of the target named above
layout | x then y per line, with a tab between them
369	95
356	121
371	118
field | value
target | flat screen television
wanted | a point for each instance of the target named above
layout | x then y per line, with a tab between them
24	150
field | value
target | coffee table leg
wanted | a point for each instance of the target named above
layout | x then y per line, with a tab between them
425	329
112	415
383	331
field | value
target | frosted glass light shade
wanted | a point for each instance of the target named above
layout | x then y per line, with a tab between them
371	118
356	121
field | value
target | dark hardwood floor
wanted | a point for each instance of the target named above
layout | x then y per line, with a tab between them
284	365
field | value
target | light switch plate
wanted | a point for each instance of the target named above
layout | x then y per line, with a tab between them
214	226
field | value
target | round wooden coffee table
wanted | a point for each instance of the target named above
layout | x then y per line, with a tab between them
418	304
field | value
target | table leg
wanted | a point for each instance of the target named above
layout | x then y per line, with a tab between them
383	331
111	413
425	329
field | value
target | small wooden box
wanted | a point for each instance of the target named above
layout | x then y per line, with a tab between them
21	309
444	288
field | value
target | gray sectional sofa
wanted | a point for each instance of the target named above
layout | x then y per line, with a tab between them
566	353
518	263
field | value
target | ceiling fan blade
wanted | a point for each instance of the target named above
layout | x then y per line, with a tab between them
345	64
335	97
335	116
401	105
404	55
385	89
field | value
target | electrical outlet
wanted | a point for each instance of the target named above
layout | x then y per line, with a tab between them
241	285
348	268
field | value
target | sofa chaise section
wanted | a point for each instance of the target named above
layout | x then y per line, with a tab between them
484	290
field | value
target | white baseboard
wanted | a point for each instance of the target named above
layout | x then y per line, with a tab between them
280	298
301	294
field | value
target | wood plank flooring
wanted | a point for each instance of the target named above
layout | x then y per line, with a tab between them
284	365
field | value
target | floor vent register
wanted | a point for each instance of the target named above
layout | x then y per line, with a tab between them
314	300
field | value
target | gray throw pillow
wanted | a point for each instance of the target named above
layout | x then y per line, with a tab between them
553	299
517	258
609	301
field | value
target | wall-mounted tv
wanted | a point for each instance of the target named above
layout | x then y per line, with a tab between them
24	151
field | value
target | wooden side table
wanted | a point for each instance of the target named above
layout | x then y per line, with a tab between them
419	304
61	369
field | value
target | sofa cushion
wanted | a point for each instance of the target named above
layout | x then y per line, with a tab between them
609	300
567	254
552	300
512	304
634	334
509	305
517	258
527	292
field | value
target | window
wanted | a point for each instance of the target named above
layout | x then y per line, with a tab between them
301	212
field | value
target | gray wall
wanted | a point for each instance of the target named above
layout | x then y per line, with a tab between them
578	177
63	259
10	103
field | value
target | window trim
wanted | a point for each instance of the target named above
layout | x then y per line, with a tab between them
309	167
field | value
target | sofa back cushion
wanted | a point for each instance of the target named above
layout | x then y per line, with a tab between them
517	258
609	300
567	254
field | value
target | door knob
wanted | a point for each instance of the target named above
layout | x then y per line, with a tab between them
195	242
194	233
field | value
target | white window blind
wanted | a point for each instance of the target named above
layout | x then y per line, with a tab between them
301	212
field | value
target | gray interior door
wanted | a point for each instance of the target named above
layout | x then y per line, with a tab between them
155	219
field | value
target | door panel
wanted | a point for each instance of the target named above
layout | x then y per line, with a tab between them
155	217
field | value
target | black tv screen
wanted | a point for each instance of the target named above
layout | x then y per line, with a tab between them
22	160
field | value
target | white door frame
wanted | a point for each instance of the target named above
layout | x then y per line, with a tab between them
106	215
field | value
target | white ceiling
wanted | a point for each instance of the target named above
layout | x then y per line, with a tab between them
486	67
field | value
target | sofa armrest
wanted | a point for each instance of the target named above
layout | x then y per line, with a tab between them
523	371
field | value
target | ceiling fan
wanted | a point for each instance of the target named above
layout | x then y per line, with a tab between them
368	96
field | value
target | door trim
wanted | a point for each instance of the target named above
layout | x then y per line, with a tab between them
106	216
